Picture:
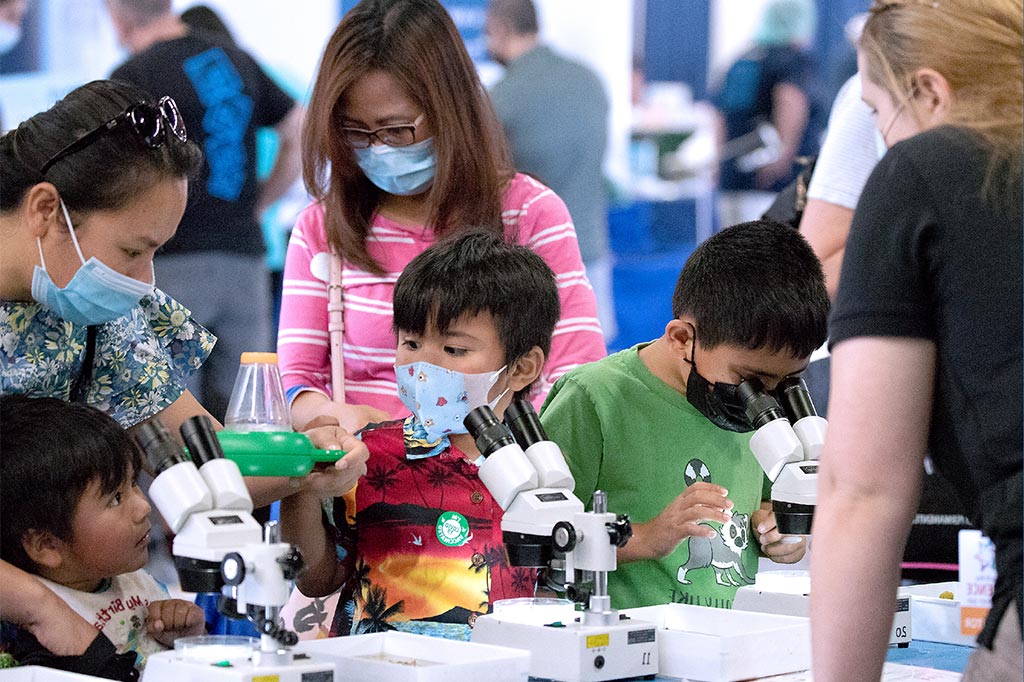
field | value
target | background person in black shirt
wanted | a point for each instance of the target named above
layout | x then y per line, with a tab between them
927	328
215	261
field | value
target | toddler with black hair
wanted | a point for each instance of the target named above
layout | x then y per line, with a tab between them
73	514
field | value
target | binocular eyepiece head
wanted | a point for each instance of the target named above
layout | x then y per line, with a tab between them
760	406
489	434
790	400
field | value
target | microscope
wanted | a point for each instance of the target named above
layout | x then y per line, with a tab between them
220	547
787	443
545	526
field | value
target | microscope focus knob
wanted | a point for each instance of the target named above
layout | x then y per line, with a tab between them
563	536
291	563
621	531
232	569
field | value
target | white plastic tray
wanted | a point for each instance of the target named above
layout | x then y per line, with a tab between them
719	645
934	619
35	673
404	657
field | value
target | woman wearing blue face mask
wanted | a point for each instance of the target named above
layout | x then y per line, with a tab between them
401	147
91	189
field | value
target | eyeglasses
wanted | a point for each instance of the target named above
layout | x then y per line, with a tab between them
393	136
149	123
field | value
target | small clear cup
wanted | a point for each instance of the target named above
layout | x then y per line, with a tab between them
535	610
212	649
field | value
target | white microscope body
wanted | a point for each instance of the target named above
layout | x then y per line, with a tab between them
529	478
787	444
218	544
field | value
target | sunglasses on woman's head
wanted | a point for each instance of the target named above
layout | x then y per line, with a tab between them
150	124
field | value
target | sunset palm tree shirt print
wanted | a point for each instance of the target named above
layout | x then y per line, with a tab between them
424	544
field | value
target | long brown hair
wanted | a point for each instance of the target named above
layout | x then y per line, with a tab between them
976	46
416	43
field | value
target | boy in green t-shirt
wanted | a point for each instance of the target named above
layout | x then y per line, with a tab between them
660	429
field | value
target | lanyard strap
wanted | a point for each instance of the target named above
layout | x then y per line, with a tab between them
336	328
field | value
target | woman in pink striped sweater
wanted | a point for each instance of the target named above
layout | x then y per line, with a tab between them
401	147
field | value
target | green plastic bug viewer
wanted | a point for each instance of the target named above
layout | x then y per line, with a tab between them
273	453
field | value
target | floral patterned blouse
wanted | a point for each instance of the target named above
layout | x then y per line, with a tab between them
142	360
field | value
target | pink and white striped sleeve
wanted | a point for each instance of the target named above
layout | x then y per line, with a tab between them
545	226
303	348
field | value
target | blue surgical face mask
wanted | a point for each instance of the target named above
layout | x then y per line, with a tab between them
441	398
404	171
96	294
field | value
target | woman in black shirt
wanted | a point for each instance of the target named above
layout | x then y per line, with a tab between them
927	328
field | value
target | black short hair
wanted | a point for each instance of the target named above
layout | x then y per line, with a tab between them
755	285
50	451
477	271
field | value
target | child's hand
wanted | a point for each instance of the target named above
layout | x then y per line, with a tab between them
336	479
681	519
350	417
782	549
170	619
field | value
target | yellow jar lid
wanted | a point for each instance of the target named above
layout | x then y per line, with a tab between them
252	358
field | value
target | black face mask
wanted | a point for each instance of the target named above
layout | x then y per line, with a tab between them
719	403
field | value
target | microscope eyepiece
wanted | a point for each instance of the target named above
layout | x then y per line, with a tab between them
489	433
792	394
524	423
761	408
201	439
161	451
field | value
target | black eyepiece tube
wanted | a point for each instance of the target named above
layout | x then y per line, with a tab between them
523	422
792	394
198	434
489	433
760	407
162	452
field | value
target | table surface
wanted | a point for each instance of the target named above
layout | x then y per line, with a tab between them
950	657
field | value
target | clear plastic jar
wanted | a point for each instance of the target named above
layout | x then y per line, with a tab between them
257	399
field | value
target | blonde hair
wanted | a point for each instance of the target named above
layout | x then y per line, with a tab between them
976	45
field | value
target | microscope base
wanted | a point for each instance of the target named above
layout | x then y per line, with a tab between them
168	666
575	652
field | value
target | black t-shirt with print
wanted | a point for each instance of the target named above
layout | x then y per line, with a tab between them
224	97
932	254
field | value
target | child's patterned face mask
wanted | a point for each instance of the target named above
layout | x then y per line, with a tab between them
441	398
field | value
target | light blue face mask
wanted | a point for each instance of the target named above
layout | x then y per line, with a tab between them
96	294
404	171
440	398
